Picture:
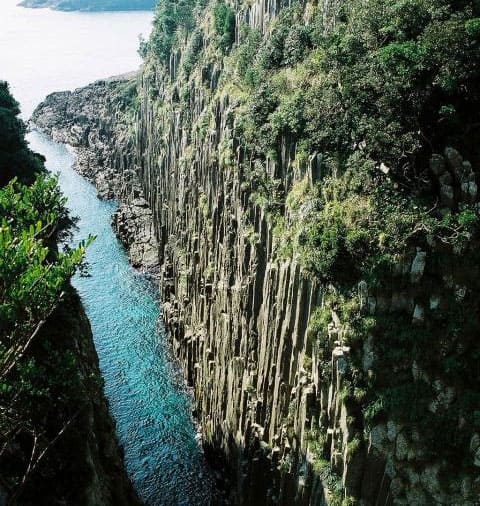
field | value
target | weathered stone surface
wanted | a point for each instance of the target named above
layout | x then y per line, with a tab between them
238	315
134	227
437	164
454	161
418	266
87	119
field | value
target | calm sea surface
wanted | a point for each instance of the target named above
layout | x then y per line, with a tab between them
42	51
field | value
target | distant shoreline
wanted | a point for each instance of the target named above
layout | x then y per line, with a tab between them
90	5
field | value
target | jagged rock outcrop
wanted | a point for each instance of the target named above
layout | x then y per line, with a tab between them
134	226
297	380
82	119
88	119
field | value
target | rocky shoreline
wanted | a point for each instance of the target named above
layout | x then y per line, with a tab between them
84	120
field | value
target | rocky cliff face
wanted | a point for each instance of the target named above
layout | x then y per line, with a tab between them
86	120
310	390
84	466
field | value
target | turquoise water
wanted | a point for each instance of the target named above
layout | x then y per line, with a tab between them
42	51
146	394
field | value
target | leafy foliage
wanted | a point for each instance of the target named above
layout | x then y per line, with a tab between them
40	388
16	160
171	19
224	24
32	273
193	52
390	84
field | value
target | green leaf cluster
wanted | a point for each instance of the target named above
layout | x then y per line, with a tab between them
224	25
173	20
36	378
16	159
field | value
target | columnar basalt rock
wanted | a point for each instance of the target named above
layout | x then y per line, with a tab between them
272	353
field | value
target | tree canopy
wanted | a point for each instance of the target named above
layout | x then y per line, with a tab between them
38	382
16	159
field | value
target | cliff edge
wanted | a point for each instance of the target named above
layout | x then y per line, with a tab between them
311	172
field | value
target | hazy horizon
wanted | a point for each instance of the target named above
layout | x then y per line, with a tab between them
55	51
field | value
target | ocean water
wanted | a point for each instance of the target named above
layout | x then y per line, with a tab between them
42	51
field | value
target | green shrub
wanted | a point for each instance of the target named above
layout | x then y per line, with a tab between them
192	53
353	446
372	411
16	159
171	18
472	27
224	24
245	54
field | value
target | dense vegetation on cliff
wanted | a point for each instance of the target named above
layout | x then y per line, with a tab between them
41	392
312	175
16	160
352	126
92	5
404	79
